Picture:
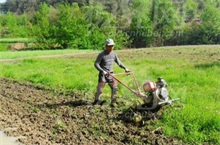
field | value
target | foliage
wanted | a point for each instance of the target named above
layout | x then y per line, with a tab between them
205	30
85	24
210	25
74	27
12	26
21	6
41	28
101	25
190	10
154	26
163	18
141	26
70	27
121	9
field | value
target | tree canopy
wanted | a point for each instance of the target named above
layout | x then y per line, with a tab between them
83	24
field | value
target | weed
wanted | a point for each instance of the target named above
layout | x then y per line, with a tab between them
35	109
59	126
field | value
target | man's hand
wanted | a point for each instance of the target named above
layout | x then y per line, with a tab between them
127	70
106	73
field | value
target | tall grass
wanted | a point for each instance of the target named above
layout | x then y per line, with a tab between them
192	74
38	53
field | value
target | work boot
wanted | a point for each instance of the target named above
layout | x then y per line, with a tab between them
98	102
114	103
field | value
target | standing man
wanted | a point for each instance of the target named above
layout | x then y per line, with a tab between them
104	64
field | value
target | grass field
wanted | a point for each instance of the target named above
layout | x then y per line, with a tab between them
192	73
39	53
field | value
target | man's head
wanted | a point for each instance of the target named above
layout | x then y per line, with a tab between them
109	45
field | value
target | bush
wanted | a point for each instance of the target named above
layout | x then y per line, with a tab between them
42	29
74	27
12	25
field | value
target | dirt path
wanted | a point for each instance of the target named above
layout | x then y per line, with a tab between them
42	117
90	54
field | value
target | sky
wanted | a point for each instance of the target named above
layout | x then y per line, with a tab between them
2	1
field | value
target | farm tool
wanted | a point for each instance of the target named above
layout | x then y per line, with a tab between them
154	95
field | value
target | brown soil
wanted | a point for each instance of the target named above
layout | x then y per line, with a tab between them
17	46
43	117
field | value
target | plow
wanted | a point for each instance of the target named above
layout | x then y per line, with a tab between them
154	95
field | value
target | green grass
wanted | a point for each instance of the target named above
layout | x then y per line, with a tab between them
14	40
192	73
38	53
3	47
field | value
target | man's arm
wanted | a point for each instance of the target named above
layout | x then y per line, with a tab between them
98	61
118	61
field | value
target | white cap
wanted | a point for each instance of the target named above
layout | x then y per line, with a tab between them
109	42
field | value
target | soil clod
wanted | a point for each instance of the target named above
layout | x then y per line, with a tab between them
43	117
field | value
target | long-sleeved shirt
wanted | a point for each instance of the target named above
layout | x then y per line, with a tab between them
105	61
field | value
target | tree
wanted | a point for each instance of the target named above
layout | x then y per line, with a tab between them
21	6
190	10
141	28
101	21
210	24
41	28
70	28
14	25
163	18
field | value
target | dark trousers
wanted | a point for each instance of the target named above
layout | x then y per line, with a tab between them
113	85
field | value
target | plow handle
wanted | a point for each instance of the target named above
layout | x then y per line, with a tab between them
122	82
138	92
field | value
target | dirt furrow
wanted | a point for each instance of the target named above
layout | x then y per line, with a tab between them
43	117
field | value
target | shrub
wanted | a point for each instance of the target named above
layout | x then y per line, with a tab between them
74	27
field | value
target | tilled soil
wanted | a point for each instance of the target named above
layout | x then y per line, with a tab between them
43	117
